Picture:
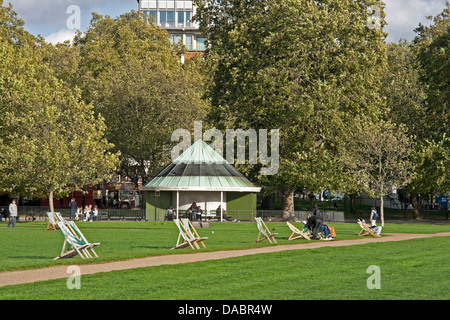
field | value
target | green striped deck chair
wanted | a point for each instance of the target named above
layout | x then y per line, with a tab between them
296	233
264	232
185	237
52	223
75	244
190	230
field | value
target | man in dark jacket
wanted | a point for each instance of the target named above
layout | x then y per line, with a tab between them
73	208
313	223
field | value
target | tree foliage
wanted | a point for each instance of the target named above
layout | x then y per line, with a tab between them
51	143
130	72
303	67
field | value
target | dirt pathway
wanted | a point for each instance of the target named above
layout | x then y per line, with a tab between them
58	272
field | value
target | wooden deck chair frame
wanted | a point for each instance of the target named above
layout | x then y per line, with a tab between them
264	232
192	233
296	233
187	237
366	230
52	223
75	245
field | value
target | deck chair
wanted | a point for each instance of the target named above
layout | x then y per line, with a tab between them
52	223
187	236
76	243
264	232
366	230
193	233
60	218
296	233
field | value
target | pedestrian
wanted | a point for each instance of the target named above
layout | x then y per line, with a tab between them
12	213
316	211
373	216
73	208
194	210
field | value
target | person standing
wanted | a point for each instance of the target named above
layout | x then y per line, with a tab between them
373	216
194	210
12	214
73	208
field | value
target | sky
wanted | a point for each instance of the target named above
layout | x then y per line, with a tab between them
54	19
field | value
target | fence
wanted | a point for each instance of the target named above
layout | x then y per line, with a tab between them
34	213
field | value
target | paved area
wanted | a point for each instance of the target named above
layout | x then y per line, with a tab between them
58	272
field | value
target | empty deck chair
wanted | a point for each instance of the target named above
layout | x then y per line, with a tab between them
264	232
190	230
76	243
366	229
186	236
296	233
52	222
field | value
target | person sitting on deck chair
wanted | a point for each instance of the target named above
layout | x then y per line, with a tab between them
374	227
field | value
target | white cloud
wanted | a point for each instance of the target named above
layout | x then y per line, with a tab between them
403	16
61	36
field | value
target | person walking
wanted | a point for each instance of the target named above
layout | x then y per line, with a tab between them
374	216
73	208
12	214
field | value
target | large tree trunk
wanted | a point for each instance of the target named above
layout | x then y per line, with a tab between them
353	203
50	201
288	205
415	204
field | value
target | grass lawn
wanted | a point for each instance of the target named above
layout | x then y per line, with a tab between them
409	270
413	269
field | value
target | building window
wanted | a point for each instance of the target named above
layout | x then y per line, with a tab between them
189	42
176	38
184	19
201	44
154	14
167	19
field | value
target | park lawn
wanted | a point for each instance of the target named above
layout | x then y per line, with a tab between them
409	270
30	245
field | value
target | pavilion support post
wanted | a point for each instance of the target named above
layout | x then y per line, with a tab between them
178	203
221	206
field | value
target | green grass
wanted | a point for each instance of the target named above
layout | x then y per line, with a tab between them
30	245
409	270
413	269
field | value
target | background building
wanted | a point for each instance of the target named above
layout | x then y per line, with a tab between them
175	16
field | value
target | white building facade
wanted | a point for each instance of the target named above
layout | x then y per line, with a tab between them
176	17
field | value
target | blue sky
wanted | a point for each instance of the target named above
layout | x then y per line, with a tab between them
49	17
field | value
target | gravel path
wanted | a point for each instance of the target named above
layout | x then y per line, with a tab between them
58	272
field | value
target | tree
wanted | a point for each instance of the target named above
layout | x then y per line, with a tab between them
50	142
431	48
131	74
304	67
379	153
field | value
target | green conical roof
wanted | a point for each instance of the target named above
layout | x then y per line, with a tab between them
200	168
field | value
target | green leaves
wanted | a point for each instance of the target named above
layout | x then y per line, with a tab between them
50	140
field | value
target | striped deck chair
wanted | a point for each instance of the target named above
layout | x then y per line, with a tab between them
52	223
187	235
296	233
264	231
76	243
366	229
60	218
193	234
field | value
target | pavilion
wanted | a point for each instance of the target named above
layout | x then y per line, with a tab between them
203	176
